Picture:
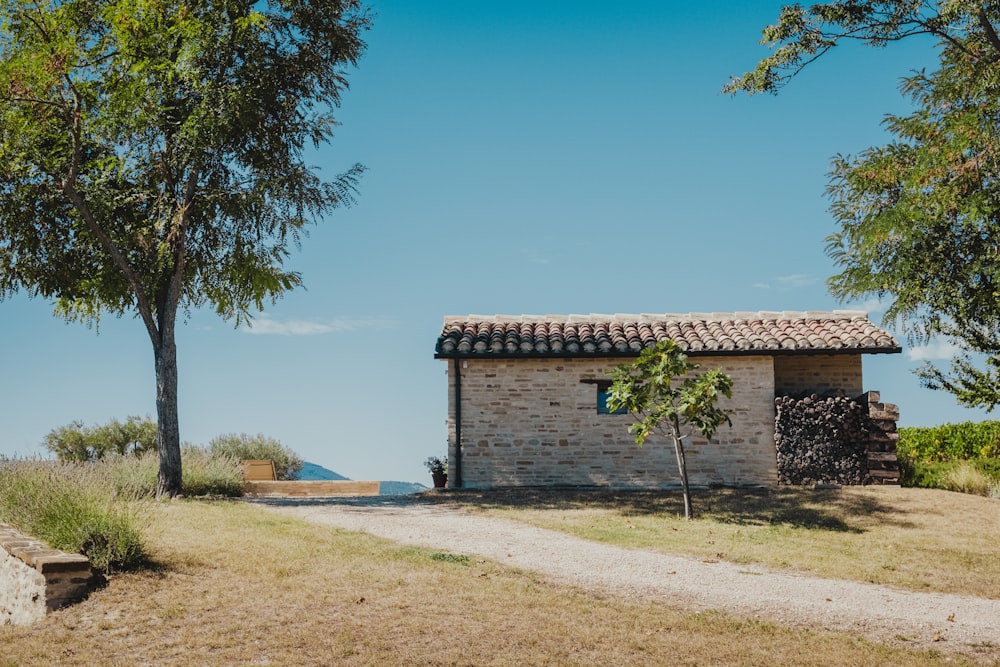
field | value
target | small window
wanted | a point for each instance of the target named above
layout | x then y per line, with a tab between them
603	389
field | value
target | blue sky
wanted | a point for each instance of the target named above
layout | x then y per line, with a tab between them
523	157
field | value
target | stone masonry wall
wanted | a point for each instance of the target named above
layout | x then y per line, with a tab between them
35	578
534	422
805	374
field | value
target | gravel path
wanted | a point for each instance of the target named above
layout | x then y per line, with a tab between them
945	622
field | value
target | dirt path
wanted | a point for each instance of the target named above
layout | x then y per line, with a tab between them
945	622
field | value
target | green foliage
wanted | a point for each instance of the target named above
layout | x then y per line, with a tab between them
962	457
978	476
920	474
75	442
919	217
460	559
243	446
802	34
152	158
74	507
153	145
949	442
436	465
647	390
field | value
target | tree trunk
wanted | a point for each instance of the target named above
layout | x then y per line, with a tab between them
682	467
167	427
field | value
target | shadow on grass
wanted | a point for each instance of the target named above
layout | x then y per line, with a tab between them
799	507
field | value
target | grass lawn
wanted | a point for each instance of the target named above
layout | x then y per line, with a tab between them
232	584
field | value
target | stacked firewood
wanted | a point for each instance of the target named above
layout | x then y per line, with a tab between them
822	439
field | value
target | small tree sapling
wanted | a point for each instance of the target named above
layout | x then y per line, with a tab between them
647	390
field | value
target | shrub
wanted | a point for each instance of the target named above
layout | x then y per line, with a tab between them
202	474
979	476
75	442
950	442
250	447
74	507
961	457
965	477
210	474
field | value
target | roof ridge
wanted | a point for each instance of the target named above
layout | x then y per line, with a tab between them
659	317
741	332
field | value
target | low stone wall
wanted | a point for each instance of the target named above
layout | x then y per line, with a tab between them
35	578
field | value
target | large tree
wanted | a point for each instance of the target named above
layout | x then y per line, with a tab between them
919	218
152	158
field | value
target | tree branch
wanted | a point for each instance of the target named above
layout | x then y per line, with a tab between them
991	33
73	195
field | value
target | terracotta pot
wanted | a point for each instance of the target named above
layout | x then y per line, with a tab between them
440	480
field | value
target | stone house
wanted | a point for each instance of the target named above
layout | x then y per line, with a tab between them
526	394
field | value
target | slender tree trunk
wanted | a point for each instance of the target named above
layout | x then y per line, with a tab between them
682	467
167	427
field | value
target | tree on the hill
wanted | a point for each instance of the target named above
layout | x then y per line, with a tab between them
919	218
76	442
651	389
152	158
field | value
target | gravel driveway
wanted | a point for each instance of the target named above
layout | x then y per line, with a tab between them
945	622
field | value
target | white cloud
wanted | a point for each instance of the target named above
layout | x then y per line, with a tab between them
264	325
936	349
797	280
871	306
793	281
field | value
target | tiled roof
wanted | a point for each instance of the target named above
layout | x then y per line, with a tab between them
811	332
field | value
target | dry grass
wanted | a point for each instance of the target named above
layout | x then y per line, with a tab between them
967	478
918	539
234	584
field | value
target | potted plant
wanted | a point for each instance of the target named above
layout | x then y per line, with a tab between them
439	470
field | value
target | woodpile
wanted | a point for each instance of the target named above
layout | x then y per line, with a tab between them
834	439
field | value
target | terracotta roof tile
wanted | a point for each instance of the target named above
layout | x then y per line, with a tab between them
808	332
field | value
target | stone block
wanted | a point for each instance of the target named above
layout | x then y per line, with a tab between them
35	578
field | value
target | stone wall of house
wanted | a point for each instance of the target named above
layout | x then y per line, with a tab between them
534	422
806	374
35	578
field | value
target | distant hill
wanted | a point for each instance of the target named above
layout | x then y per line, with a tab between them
312	471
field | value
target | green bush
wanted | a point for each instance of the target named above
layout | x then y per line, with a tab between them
76	442
950	442
258	447
961	457
979	475
74	507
